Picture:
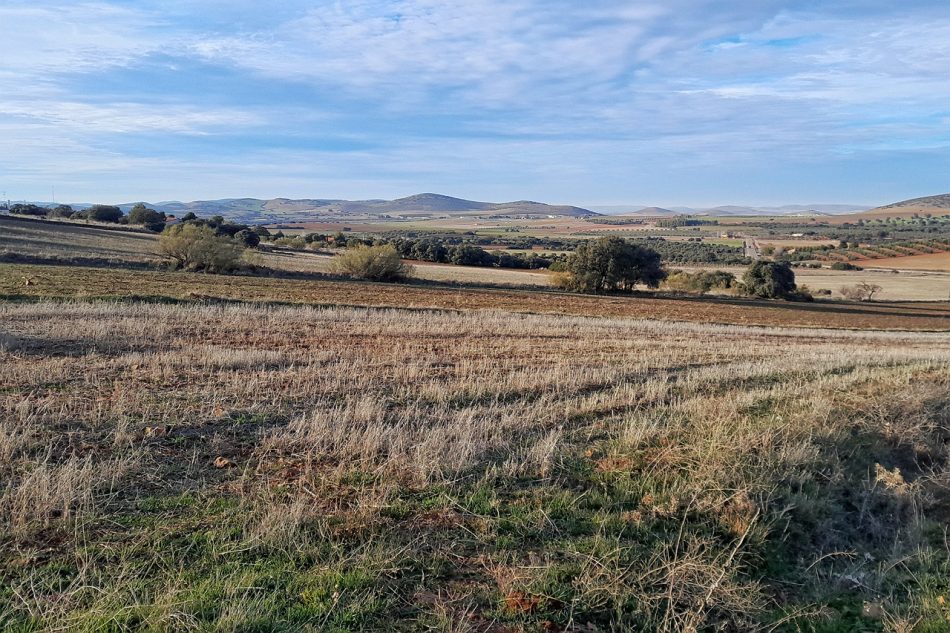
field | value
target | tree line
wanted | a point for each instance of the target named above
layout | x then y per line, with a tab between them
604	265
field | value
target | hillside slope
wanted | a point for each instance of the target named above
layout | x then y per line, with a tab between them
938	205
417	206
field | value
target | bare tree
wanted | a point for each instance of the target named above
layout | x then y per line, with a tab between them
863	291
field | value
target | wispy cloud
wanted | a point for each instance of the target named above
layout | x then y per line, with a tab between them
519	98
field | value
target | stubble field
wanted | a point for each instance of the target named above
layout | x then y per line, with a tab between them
246	467
31	282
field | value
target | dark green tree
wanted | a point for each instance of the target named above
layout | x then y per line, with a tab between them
149	218
770	280
104	213
247	237
29	209
613	264
61	211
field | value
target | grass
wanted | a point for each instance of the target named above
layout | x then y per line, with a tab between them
32	282
70	241
249	467
74	244
932	261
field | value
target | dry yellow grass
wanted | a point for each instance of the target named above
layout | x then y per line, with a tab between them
236	466
905	285
80	282
932	261
71	241
322	263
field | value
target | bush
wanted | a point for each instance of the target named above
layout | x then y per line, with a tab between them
198	248
863	291
845	266
61	211
249	238
770	280
103	213
149	218
377	263
29	209
468	255
612	264
702	281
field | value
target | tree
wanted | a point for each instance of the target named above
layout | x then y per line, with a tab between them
104	213
198	248
149	218
29	209
376	263
249	238
611	264
770	280
61	211
702	281
468	255
845	266
863	291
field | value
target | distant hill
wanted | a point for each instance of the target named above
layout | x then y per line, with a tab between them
308	210
788	209
649	212
731	210
935	205
941	201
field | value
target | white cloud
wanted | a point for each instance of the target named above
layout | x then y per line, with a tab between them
126	118
554	82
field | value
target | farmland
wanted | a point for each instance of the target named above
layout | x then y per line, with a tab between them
71	282
294	451
75	242
921	279
213	466
930	261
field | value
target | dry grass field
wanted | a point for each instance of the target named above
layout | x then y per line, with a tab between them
30	282
301	261
75	242
920	277
932	261
904	285
248	468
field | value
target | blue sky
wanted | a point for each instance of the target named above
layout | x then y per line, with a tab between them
666	102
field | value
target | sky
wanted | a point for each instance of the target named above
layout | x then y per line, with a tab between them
602	102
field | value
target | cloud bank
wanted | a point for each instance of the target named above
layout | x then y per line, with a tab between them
676	102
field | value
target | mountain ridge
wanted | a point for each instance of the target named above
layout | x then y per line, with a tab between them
418	206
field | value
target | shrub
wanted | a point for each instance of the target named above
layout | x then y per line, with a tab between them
845	266
103	213
196	248
468	255
377	263
769	280
249	238
702	281
863	291
612	264
61	211
149	218
29	209
297	243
